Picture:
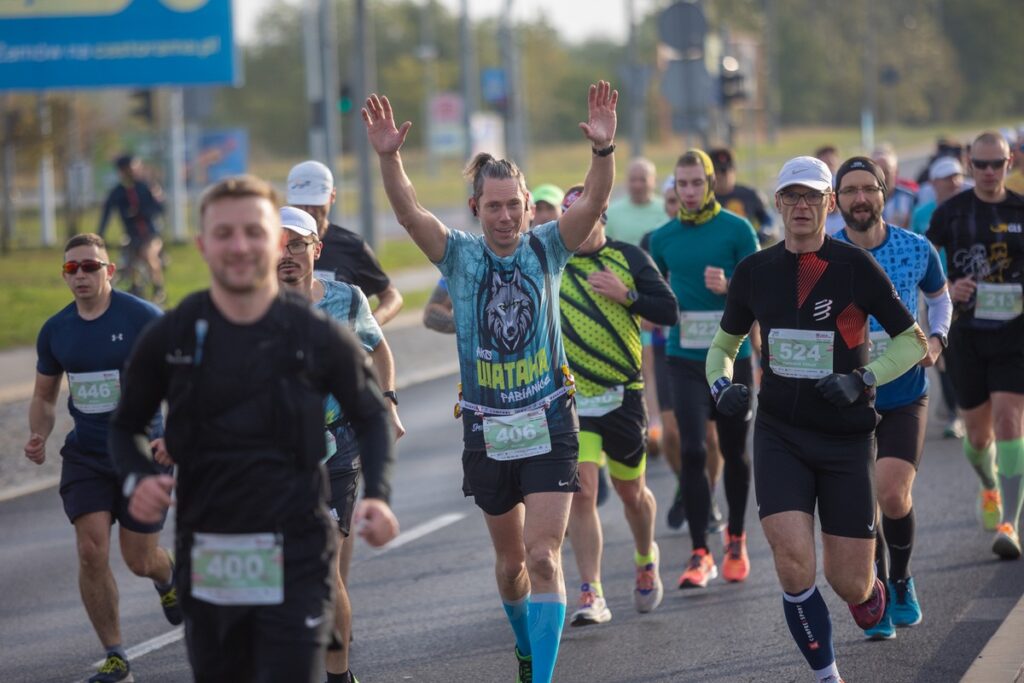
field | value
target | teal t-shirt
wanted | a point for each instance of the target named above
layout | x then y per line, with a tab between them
682	252
507	325
629	222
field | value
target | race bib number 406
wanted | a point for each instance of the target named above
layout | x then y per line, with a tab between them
801	354
513	437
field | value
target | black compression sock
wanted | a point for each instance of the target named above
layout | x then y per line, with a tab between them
899	536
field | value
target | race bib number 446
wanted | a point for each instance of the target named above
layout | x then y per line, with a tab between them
95	392
801	354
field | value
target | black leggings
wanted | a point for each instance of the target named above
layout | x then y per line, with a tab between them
693	407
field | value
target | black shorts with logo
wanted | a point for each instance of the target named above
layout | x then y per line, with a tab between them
342	500
900	434
498	486
983	361
796	469
88	483
623	431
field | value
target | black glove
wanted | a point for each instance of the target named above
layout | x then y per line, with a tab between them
730	399
841	390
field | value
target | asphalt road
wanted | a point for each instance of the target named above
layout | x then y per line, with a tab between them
427	610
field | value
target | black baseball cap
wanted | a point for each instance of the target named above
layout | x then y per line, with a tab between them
721	159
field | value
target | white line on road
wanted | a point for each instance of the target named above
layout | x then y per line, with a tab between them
420	531
152	644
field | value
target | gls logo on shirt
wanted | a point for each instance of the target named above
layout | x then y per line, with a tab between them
822	309
1006	227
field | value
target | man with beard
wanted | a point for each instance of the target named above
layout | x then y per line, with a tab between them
912	264
520	428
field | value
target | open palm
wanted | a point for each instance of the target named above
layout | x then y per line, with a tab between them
601	116
380	125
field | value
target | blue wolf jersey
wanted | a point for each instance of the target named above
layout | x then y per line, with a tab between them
912	263
507	325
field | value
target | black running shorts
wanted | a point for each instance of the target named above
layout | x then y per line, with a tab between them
983	361
900	434
88	483
342	501
498	486
796	469
620	434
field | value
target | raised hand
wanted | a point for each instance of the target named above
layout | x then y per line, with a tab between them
601	116
380	125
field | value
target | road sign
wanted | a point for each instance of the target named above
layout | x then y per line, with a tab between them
682	26
100	43
492	86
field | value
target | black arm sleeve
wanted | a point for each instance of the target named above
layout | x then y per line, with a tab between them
656	302
351	380
738	317
143	387
880	297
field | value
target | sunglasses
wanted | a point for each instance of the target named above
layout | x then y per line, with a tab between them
994	164
88	265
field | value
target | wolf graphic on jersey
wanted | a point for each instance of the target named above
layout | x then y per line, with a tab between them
509	310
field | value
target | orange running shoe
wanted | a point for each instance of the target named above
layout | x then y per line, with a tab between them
990	509
736	565
1007	543
699	570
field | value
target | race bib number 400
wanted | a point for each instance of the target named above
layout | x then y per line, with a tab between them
697	329
998	302
95	392
238	569
513	437
802	354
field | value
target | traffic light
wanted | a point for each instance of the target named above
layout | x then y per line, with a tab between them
142	105
345	99
731	82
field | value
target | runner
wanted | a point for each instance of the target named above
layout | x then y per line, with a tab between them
982	235
90	340
912	264
520	426
829	155
901	195
608	286
246	426
139	206
740	199
699	251
346	304
814	435
345	255
640	211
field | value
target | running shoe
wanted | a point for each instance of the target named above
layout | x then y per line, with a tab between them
954	430
114	670
715	520
884	629
1007	543
677	513
525	672
990	508
593	608
736	563
169	598
905	609
649	589
699	570
868	613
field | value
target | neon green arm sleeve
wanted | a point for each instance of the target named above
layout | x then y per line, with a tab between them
721	355
903	352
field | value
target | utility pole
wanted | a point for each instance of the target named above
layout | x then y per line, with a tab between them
870	107
362	70
176	165
47	198
771	91
320	35
9	121
466	79
637	89
428	57
515	134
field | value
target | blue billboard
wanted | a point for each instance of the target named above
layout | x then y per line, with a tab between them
52	44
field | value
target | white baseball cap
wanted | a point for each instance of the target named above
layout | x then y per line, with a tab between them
298	221
309	184
943	167
807	171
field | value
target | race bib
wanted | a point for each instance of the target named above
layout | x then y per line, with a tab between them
697	329
802	354
879	343
238	569
327	275
602	404
513	437
95	392
332	445
998	302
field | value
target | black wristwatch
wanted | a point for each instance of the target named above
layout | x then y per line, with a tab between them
392	396
943	340
868	377
632	296
604	152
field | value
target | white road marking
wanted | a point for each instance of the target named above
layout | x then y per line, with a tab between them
420	531
152	644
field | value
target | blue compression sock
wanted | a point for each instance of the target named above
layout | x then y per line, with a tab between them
547	616
517	616
811	626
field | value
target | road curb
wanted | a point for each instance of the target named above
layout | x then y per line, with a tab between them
1000	659
25	489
